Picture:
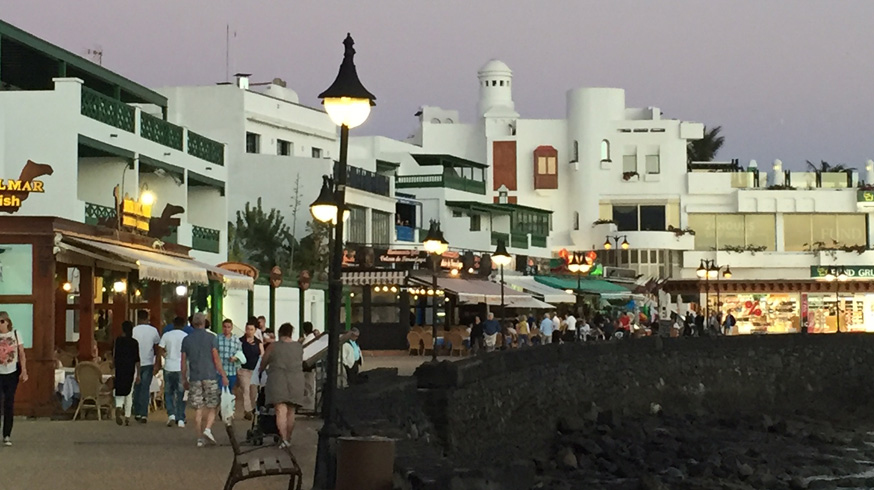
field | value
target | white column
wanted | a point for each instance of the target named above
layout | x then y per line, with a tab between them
778	229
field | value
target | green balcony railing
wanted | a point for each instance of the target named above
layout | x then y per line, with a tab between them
161	131
519	241
447	181
205	148
496	236
205	239
95	213
538	241
107	110
173	237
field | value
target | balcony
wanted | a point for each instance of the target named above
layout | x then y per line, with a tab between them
405	233
446	181
95	214
205	239
123	116
518	240
367	181
497	236
538	241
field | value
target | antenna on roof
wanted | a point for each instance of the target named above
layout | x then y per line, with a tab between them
95	54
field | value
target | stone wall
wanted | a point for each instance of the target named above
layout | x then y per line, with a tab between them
503	408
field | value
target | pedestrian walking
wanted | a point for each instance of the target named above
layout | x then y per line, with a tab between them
351	357
522	330
253	349
13	370
147	338
285	384
491	328
477	340
547	327
200	367
229	347
174	392
729	323
126	358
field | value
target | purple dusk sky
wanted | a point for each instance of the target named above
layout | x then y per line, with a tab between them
786	79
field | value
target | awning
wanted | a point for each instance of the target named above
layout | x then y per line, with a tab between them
475	291
605	289
549	294
530	303
373	278
151	265
231	280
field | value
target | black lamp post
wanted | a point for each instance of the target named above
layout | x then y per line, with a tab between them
436	245
708	270
348	104
608	244
578	265
838	275
502	258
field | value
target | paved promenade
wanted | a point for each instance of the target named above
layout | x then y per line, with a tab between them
85	455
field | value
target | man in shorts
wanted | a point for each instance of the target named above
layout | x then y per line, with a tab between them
201	366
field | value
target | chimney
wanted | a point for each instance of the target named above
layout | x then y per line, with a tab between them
243	80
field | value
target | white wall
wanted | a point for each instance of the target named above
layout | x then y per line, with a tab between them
287	306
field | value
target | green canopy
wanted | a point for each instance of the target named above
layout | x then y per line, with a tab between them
587	286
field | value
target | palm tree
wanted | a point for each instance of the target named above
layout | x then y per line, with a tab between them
824	166
705	149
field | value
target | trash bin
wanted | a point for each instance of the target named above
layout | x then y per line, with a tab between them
365	463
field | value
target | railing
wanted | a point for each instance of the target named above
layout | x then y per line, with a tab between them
365	180
160	131
538	241
519	241
405	233
496	236
107	110
205	148
173	237
447	181
95	213
205	239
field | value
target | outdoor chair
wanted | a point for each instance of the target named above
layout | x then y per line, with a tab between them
93	393
415	342
246	466
106	367
427	342
67	359
457	342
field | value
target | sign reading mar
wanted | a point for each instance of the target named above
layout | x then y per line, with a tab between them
14	191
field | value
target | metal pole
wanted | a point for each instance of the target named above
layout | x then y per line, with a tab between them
503	314
434	259
272	307
838	305
326	457
301	308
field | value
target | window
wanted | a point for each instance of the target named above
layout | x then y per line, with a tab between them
576	220
639	217
625	218
317	152
629	163
284	148
545	168
717	231
456	213
475	222
811	231
653	165
357	224
576	155
253	142
382	229
605	150
525	222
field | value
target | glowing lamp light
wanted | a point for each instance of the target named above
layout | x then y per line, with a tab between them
394	289
453	272
347	111
625	245
147	198
434	242
181	290
830	276
324	208
727	273
568	291
573	264
607	244
701	271
346	101
501	256
842	276
138	293
67	287
119	286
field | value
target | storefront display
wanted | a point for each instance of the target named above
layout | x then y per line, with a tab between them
764	313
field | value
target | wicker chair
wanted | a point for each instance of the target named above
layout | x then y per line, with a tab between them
93	393
457	342
427	342
415	342
246	468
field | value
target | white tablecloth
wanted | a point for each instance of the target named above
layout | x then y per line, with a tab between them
68	387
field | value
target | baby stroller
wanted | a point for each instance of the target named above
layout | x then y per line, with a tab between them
264	420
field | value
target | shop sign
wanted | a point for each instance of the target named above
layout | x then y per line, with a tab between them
805	308
391	256
865	198
275	277
852	272
14	191
240	268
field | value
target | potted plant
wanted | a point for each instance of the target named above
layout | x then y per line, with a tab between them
630	175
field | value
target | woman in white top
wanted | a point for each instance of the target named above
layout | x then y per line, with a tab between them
13	369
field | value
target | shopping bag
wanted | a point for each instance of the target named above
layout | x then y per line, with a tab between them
228	405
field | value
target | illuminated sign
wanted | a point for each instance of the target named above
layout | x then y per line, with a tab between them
240	268
14	191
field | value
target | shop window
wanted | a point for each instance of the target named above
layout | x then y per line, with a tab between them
253	142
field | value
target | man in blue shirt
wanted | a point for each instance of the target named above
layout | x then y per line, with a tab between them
546	329
187	328
491	328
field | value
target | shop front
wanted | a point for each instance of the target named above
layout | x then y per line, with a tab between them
68	286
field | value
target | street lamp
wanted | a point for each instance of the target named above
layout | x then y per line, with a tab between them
435	245
578	265
624	245
839	275
502	258
348	104
708	270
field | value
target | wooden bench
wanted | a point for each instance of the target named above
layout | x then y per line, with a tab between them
247	466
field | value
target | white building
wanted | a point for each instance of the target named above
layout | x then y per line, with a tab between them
278	150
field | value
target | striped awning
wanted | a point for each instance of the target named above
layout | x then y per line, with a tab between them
374	278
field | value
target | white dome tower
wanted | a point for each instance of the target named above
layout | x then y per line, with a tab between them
494	87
